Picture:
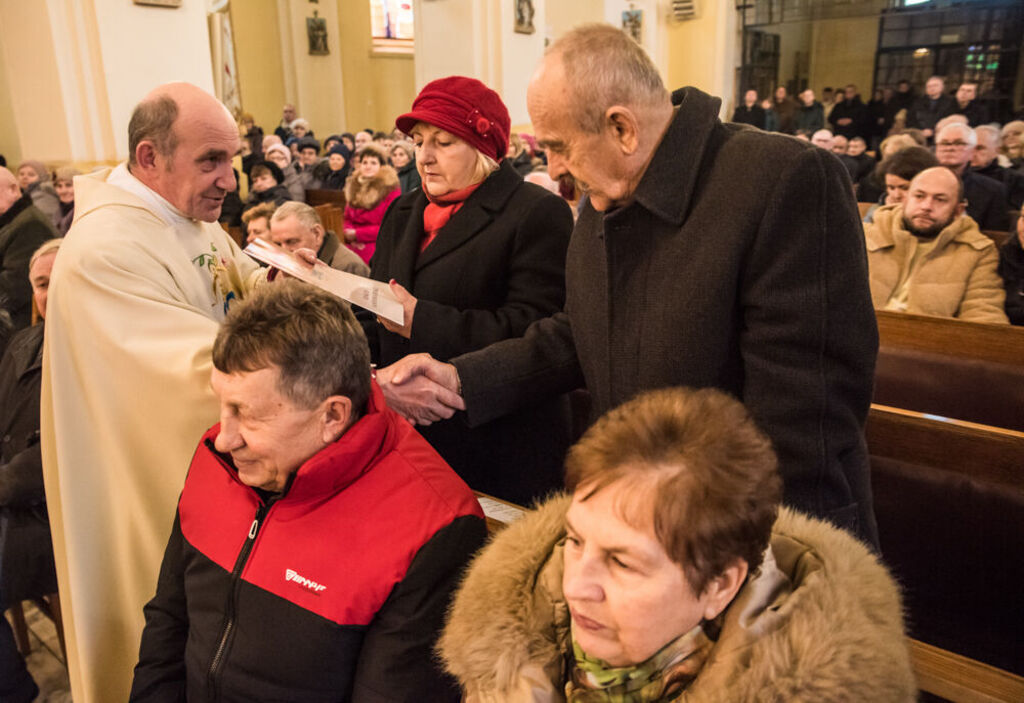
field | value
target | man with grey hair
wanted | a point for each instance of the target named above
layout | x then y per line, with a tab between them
987	201
295	225
986	162
686	270
143	279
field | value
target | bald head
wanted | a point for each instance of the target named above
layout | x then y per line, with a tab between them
933	201
182	140
9	191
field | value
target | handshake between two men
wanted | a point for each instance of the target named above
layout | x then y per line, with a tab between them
422	389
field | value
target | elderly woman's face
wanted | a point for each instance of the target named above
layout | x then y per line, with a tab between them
627	598
399	158
445	162
1011	137
26	177
278	158
65	191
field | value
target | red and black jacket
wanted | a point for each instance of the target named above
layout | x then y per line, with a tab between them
335	590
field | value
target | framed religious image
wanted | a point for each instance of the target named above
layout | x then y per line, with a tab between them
524	16
633	24
316	30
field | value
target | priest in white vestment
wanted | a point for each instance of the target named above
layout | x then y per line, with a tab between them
141	282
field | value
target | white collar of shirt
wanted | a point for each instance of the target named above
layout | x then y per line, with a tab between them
123	179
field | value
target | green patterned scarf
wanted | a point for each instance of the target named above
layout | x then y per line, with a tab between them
659	678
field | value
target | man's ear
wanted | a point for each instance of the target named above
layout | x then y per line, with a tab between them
723	588
145	154
337	413
622	124
318	235
961	207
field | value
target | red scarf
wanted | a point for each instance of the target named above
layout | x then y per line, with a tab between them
440	210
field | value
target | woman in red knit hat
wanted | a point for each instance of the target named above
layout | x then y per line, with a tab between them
476	255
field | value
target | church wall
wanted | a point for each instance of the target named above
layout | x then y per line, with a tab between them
35	107
843	51
10	144
258	54
704	52
378	87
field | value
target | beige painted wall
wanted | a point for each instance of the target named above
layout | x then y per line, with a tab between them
703	52
377	88
843	51
10	145
560	16
33	84
258	56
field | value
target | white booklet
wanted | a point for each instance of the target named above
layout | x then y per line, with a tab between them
375	296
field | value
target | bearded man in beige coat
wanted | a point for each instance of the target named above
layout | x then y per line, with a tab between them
926	256
142	281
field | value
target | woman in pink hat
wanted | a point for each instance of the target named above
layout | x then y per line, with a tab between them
476	255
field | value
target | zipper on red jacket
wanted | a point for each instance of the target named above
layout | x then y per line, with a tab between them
227	630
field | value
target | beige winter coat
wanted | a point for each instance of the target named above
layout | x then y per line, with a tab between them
956	279
824	623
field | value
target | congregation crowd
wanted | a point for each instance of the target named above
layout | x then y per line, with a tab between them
257	492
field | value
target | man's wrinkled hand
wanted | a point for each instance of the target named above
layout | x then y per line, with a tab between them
421	389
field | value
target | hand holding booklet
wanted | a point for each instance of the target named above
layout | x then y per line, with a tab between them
375	296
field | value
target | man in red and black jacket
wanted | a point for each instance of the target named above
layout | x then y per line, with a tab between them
318	536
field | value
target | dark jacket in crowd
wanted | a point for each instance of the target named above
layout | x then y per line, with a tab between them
879	119
23	228
786	111
754	116
902	101
495	268
710	278
810	118
975	111
335	590
865	165
986	201
1012	180
335	180
925	112
45	198
231	210
277	195
409	178
26	553
854	110
1011	269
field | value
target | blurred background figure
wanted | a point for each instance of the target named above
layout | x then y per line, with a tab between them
369	191
64	185
34	181
403	159
26	551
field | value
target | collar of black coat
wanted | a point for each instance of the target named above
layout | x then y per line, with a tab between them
26	350
19	206
667	186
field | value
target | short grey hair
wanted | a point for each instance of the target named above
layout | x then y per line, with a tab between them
299	122
604	67
153	120
305	214
992	132
969	134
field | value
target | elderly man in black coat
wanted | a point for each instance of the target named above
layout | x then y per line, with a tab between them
689	266
23	227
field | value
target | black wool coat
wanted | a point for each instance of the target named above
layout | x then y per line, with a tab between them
23	228
496	267
26	552
739	265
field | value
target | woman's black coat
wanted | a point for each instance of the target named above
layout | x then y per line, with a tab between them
498	265
26	552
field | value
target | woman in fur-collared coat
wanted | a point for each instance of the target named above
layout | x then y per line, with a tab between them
671	574
369	192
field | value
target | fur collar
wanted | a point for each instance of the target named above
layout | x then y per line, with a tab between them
836	635
367	194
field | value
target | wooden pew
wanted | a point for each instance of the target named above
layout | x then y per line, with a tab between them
321	196
1000	238
967	370
939	672
949	499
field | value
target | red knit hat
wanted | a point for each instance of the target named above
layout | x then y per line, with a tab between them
465	107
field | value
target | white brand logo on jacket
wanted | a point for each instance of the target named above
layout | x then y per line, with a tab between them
290	575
